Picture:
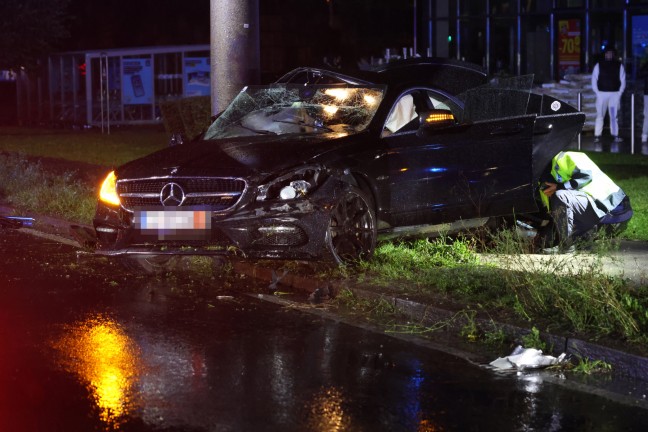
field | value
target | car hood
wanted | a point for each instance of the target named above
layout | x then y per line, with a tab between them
235	157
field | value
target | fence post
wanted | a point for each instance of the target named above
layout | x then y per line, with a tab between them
579	109
632	122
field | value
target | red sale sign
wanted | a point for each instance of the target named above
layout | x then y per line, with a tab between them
569	46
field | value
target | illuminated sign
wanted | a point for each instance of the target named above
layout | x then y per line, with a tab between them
569	46
196	76
138	81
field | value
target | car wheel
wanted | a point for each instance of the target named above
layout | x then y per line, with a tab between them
151	264
351	233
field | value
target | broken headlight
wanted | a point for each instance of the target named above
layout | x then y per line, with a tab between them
295	184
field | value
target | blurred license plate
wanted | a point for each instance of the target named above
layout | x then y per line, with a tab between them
174	224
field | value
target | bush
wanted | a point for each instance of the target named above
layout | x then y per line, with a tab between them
187	116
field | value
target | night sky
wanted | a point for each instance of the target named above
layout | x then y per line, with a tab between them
135	23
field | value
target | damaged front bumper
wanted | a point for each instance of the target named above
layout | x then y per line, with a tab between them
295	229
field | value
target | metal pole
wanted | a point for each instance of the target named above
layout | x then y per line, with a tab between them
50	85
518	51
587	36
101	89
580	95
625	32
108	94
458	47
632	122
488	37
415	46
552	36
89	92
430	39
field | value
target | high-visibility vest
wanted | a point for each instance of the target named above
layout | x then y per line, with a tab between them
575	170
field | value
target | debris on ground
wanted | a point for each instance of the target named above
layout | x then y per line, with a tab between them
320	294
275	280
527	358
15	222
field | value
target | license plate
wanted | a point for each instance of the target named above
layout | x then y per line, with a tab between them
173	224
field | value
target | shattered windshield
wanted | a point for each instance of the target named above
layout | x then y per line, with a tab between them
281	109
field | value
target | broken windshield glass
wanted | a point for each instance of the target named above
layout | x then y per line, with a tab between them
281	109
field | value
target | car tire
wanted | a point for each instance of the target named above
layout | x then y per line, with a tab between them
351	234
150	264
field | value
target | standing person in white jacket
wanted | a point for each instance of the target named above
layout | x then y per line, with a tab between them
608	82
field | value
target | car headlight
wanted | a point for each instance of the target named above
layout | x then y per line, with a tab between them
295	184
108	190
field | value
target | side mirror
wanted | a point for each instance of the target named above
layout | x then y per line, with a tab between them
436	119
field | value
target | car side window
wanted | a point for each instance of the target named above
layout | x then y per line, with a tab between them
402	114
438	101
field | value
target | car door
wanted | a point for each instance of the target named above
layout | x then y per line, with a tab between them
459	172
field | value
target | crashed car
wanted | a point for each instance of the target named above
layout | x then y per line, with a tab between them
321	165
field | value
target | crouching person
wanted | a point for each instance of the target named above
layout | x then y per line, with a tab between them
582	200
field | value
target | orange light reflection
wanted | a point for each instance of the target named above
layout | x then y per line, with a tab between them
102	354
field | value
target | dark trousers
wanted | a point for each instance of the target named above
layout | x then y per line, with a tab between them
573	213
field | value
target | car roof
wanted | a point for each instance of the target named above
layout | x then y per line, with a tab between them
448	75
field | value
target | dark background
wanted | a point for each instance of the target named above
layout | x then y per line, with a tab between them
293	32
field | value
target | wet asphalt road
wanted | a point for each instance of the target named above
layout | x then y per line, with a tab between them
85	346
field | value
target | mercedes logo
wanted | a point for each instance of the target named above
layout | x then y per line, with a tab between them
172	195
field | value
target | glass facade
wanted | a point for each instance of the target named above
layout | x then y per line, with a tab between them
549	38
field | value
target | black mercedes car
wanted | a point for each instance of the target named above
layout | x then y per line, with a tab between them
320	165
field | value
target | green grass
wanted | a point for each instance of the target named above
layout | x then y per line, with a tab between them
85	146
630	172
30	189
550	293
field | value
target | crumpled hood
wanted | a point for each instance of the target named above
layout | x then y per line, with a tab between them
235	157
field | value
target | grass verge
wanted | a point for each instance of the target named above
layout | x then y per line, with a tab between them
30	189
630	172
89	146
561	293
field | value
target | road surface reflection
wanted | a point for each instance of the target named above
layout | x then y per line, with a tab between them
104	357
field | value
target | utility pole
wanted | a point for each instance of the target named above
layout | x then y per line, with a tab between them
234	49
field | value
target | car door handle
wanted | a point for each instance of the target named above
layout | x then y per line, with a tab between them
508	130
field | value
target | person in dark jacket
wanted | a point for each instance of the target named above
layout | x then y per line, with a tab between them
608	82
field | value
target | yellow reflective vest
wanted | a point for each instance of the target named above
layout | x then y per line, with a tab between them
576	171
